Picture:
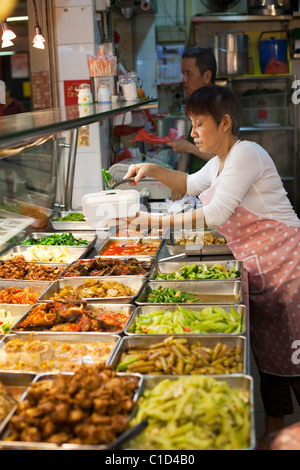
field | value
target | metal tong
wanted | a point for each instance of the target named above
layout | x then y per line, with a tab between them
113	183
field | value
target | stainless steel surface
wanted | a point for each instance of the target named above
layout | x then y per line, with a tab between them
209	341
64	338
142	259
34	286
226	289
150	308
71	169
22	445
194	249
242	382
74	253
105	308
12	379
16	311
125	240
231	52
269	7
167	268
133	282
169	258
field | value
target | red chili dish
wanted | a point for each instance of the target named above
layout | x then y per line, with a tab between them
129	248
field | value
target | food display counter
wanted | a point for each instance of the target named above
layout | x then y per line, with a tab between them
88	357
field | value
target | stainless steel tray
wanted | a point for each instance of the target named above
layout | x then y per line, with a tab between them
63	337
216	292
70	226
129	330
194	249
16	310
141	259
114	308
209	341
125	240
74	253
13	379
242	382
133	282
52	266
20	445
35	286
169	267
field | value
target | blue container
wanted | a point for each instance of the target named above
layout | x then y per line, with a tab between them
269	48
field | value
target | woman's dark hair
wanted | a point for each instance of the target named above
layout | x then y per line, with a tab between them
216	100
205	60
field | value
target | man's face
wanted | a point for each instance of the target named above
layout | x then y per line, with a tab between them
192	78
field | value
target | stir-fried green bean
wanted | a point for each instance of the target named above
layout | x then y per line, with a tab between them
168	295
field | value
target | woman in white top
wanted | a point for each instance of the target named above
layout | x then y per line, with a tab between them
243	197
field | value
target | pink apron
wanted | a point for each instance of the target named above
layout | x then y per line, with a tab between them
270	252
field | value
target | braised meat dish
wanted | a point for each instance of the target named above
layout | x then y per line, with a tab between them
108	267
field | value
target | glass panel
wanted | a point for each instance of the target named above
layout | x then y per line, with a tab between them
21	128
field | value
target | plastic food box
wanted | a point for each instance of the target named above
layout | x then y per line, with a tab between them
100	207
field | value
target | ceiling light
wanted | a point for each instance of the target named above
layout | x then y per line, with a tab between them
16	18
7	43
7	34
38	40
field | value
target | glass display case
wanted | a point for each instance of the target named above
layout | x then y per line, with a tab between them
32	167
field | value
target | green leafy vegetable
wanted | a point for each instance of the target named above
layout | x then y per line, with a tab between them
64	239
200	272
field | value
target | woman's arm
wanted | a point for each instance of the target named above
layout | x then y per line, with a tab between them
193	220
175	180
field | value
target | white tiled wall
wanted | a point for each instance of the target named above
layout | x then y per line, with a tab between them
75	39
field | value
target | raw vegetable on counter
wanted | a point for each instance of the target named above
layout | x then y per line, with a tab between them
193	413
64	239
175	356
200	272
212	319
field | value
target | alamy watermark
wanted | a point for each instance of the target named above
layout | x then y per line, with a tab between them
296	93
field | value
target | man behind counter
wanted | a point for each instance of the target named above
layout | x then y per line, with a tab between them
199	68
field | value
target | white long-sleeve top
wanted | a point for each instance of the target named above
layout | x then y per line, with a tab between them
249	179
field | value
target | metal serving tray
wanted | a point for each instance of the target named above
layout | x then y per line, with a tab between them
243	382
15	379
241	309
143	259
125	240
219	292
70	226
90	237
209	341
16	311
134	282
114	308
35	286
194	249
62	337
74	253
53	266
169	267
20	445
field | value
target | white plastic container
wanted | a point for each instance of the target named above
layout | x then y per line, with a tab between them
110	205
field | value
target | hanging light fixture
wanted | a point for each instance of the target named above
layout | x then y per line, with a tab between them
38	40
7	36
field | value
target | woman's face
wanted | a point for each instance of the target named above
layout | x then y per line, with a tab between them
208	137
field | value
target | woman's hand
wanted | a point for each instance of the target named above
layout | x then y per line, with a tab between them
181	146
140	171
